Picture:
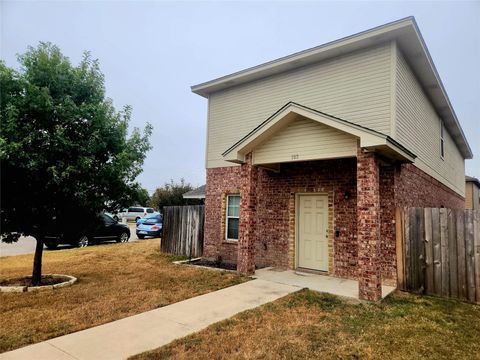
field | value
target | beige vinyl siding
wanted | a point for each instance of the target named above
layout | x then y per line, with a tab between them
355	87
475	197
305	139
469	195
417	127
472	200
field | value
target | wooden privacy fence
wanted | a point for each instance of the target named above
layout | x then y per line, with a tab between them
183	230
438	252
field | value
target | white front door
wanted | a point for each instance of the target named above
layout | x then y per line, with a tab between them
312	252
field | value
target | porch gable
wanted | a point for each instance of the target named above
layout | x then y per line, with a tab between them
304	139
291	113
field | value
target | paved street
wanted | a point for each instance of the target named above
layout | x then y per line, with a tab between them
26	245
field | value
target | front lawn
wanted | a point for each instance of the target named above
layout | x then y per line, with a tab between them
114	281
310	325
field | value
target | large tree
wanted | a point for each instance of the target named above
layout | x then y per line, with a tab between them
65	151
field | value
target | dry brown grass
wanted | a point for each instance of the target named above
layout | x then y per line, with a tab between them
309	325
115	281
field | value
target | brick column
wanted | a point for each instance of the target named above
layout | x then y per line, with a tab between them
248	204
368	227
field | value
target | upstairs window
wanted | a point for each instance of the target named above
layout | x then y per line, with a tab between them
233	215
442	140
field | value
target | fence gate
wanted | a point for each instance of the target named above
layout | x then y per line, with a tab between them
183	230
438	252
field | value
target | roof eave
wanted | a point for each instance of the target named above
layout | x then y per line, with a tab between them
472	180
193	196
302	58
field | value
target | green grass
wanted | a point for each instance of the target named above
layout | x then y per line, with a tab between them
114	281
310	325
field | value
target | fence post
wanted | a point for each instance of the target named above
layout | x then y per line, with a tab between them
461	263
429	282
452	253
470	258
437	252
476	241
399	224
444	255
420	246
407	252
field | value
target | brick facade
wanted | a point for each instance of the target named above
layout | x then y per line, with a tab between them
415	188
247	234
220	183
272	225
387	223
275	212
368	226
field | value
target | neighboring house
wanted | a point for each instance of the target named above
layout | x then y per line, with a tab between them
472	193
308	155
198	193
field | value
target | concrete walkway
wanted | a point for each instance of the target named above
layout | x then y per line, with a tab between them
149	330
323	283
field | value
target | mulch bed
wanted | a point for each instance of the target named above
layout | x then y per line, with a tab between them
215	264
27	281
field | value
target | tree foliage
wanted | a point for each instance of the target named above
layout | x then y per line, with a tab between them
141	197
65	151
171	194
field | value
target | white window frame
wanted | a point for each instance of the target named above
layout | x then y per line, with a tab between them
442	140
231	217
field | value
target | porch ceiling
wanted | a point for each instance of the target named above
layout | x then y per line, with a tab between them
291	112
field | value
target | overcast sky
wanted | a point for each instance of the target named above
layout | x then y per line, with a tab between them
152	52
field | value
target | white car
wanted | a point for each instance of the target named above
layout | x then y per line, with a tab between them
135	213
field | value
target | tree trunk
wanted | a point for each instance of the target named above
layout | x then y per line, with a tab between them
37	262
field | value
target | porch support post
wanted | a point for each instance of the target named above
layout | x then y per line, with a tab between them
248	207
368	226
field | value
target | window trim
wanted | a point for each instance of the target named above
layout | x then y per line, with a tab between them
231	217
442	140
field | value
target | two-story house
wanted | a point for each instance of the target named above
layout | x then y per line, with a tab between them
308	155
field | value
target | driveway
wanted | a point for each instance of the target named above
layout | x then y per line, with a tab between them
26	244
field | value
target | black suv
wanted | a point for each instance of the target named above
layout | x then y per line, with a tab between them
106	229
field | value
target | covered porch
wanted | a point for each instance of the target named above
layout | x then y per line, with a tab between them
297	135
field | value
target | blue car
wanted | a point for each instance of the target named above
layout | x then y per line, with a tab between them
150	226
142	220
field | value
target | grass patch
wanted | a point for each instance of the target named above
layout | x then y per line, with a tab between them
114	281
310	325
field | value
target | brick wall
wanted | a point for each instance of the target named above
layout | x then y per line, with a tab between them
220	182
247	235
403	185
369	226
275	212
387	223
414	188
